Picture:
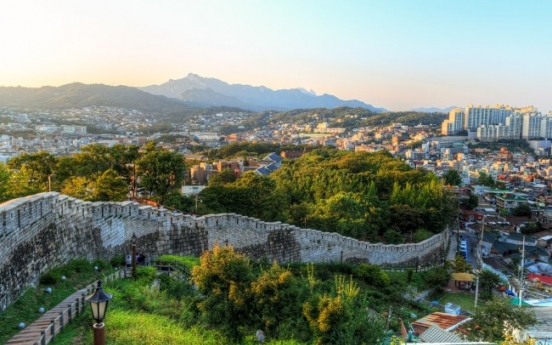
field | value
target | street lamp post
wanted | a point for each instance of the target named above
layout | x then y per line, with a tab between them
98	304
134	256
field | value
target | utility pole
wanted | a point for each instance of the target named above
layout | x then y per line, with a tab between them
521	271
479	262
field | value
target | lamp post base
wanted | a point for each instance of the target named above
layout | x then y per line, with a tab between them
99	333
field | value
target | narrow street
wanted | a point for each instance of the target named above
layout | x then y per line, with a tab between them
472	241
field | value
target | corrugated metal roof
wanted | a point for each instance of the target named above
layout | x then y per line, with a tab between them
442	320
435	334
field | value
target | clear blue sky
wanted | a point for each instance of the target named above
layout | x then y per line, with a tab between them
389	53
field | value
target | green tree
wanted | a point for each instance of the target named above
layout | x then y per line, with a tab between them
522	211
22	184
344	212
39	167
469	203
122	158
485	179
372	275
224	177
65	169
436	278
109	186
531	228
277	297
460	265
258	196
4	182
452	178
224	278
160	171
79	187
177	201
495	317
93	159
393	237
421	235
487	281
343	318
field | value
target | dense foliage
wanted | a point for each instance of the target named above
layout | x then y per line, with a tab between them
363	195
284	305
97	173
346	117
245	149
496	315
512	145
410	118
370	196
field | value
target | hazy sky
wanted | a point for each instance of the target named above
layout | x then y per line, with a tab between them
393	54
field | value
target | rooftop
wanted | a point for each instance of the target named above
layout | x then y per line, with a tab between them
444	321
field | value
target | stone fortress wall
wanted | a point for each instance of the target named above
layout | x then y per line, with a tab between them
45	230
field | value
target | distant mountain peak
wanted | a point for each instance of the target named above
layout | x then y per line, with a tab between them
434	109
249	97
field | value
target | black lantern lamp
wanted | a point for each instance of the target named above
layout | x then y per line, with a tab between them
98	303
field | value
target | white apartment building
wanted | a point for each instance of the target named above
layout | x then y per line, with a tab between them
490	123
492	132
531	126
514	123
546	127
73	129
487	115
455	122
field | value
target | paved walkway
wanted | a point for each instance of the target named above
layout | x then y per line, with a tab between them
451	256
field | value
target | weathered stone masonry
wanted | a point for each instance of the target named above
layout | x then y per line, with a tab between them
45	230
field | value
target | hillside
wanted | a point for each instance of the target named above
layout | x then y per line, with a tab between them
78	95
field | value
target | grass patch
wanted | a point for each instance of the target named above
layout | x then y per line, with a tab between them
162	309
140	315
188	261
464	300
78	273
417	280
132	328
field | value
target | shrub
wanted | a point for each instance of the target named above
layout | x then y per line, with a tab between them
102	265
118	260
147	273
78	266
48	278
409	274
372	275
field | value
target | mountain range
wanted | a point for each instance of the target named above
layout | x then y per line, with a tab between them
78	95
175	96
205	92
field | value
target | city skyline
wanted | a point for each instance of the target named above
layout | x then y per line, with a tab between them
393	54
